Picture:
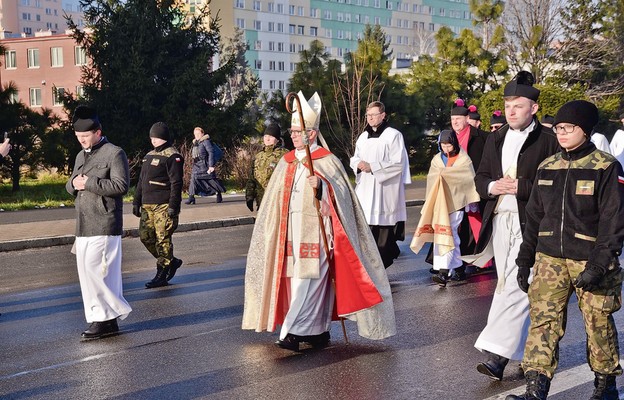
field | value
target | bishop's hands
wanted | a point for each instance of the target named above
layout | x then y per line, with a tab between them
80	182
504	185
314	181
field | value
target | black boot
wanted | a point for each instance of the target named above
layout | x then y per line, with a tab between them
190	200
98	330
173	267
605	388
219	197
317	341
441	278
160	279
493	367
537	387
290	342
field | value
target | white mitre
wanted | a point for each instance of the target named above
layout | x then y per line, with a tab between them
311	110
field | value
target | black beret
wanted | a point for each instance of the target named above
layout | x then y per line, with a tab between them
160	130
498	118
274	130
459	108
85	119
522	85
578	112
548	119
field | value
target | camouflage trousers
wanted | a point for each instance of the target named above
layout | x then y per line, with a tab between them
155	230
549	295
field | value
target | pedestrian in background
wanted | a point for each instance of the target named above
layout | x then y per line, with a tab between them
288	280
381	168
504	179
547	121
99	181
474	118
572	242
157	202
204	180
450	190
263	165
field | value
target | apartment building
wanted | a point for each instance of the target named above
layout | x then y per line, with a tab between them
277	30
25	17
43	66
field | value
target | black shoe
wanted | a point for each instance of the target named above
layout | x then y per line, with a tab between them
493	367
317	341
433	271
604	387
441	278
98	330
159	280
538	386
173	267
290	342
190	200
459	274
219	198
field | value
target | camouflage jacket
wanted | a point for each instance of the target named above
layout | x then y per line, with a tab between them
261	171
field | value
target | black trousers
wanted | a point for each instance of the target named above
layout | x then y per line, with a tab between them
386	238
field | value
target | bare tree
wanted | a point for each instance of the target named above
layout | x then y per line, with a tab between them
532	27
423	42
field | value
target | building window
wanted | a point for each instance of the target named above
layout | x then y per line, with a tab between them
328	33
431	27
271	7
291	10
280	8
240	23
35	97
377	19
280	27
257	25
33	58
57	96
281	85
271	65
271	27
377	3
80	55
260	83
300	29
339	17
292	66
10	59
313	31
357	18
56	56
271	84
28	30
258	45
80	92
293	47
291	29
300	11
26	16
313	12
442	12
38	18
389	5
258	64
347	17
256	6
271	46
300	47
280	65
240	4
280	46
327	14
14	97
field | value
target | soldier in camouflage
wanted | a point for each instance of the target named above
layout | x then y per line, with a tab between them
263	165
573	239
157	202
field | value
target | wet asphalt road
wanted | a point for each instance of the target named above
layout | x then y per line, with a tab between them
184	341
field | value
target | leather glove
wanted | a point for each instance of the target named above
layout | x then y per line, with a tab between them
172	212
136	210
523	278
250	204
589	279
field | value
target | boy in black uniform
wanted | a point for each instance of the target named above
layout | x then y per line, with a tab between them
157	202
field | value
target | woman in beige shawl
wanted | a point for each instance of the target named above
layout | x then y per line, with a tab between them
450	191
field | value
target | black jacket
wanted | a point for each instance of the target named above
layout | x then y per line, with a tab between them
540	144
576	209
205	158
161	177
476	145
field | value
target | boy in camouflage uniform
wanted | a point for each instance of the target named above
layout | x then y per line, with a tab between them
157	202
573	238
263	165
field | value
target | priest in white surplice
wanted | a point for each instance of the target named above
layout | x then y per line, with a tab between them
381	168
289	274
617	143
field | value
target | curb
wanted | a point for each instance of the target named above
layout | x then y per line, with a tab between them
134	232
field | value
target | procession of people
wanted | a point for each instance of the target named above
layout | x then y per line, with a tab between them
543	205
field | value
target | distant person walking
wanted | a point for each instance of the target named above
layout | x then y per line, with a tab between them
157	202
99	181
204	181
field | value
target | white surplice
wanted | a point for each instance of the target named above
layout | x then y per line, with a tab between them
311	300
601	142
382	192
617	146
99	270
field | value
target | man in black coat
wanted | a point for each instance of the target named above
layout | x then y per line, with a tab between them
504	179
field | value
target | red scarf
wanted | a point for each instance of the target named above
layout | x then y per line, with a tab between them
464	136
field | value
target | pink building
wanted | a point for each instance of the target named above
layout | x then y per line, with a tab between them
42	67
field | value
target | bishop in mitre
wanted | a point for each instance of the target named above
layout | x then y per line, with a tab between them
293	282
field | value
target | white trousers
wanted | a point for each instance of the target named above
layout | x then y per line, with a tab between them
451	259
508	321
99	270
